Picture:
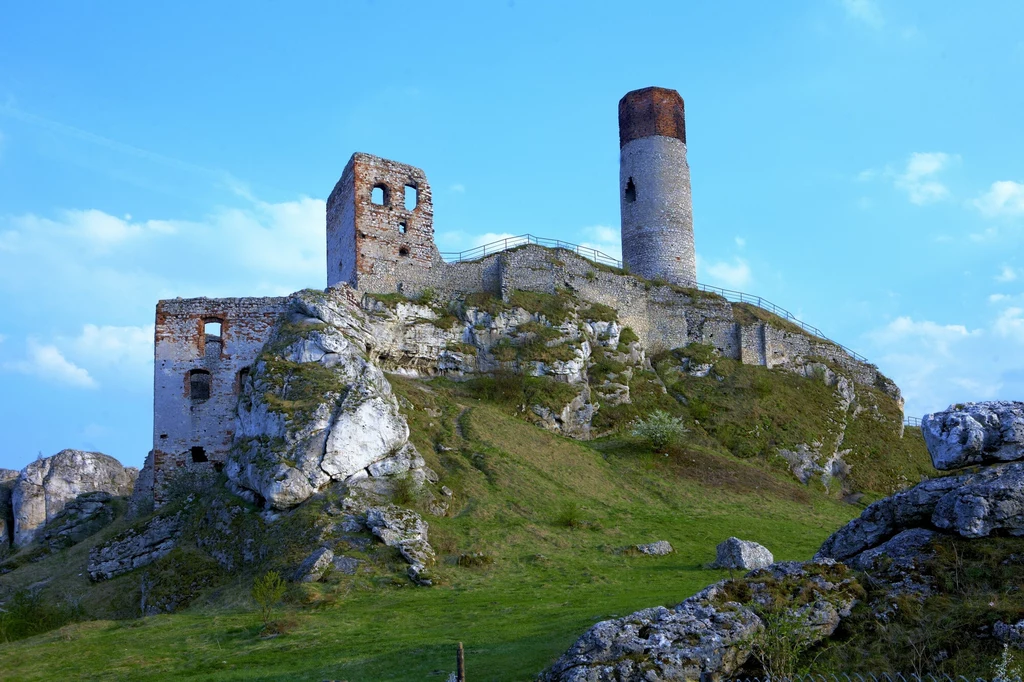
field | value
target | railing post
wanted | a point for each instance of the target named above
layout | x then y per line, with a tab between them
460	674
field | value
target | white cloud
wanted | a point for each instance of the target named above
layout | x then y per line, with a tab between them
1004	198
865	11
918	179
459	188
1010	324
104	346
735	275
1007	274
47	362
938	338
607	240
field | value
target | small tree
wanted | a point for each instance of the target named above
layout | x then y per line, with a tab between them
779	645
658	429
267	591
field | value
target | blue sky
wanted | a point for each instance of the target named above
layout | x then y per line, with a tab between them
858	162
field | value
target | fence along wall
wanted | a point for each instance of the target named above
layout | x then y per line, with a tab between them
203	349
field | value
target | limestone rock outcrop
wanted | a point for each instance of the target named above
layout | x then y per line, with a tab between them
742	554
314	566
708	636
975	433
315	408
136	547
45	486
975	504
85	515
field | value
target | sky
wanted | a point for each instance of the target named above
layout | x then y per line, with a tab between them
857	162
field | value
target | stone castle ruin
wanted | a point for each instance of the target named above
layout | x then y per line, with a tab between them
380	240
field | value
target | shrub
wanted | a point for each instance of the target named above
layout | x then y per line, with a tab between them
267	592
404	491
27	613
658	429
570	515
779	645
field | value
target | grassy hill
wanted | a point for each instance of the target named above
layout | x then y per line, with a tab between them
543	526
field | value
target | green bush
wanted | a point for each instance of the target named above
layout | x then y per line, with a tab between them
267	592
27	613
570	515
658	429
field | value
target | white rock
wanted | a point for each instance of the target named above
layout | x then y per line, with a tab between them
46	485
975	433
742	554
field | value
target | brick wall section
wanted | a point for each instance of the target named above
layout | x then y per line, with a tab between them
179	423
369	242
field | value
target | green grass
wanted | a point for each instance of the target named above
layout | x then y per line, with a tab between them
516	489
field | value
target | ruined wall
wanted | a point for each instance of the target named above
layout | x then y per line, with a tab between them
370	243
197	377
663	316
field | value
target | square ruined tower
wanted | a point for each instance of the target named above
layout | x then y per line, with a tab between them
380	223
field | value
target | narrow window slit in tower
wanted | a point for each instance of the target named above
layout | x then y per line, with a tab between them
403	227
630	191
412	197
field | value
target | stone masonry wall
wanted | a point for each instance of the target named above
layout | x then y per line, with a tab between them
181	421
663	316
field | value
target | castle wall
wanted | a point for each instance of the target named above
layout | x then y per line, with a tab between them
663	316
183	421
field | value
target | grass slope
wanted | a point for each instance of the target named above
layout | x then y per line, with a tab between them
553	516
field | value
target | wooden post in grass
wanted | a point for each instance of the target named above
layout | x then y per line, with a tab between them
460	674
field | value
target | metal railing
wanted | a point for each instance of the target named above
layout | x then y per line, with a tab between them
912	421
596	256
869	677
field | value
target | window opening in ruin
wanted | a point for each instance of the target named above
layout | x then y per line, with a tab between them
630	191
199	385
218	467
404	251
412	197
163	435
243	374
199	454
212	328
379	195
403	227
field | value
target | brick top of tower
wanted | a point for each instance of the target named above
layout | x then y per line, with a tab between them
651	111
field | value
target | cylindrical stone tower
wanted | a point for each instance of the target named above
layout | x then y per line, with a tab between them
654	187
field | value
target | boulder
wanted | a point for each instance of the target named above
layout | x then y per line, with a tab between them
975	433
404	530
314	566
708	636
659	548
1012	634
741	554
45	486
136	547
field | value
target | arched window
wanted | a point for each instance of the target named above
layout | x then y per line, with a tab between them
630	191
243	374
403	227
199	382
412	197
